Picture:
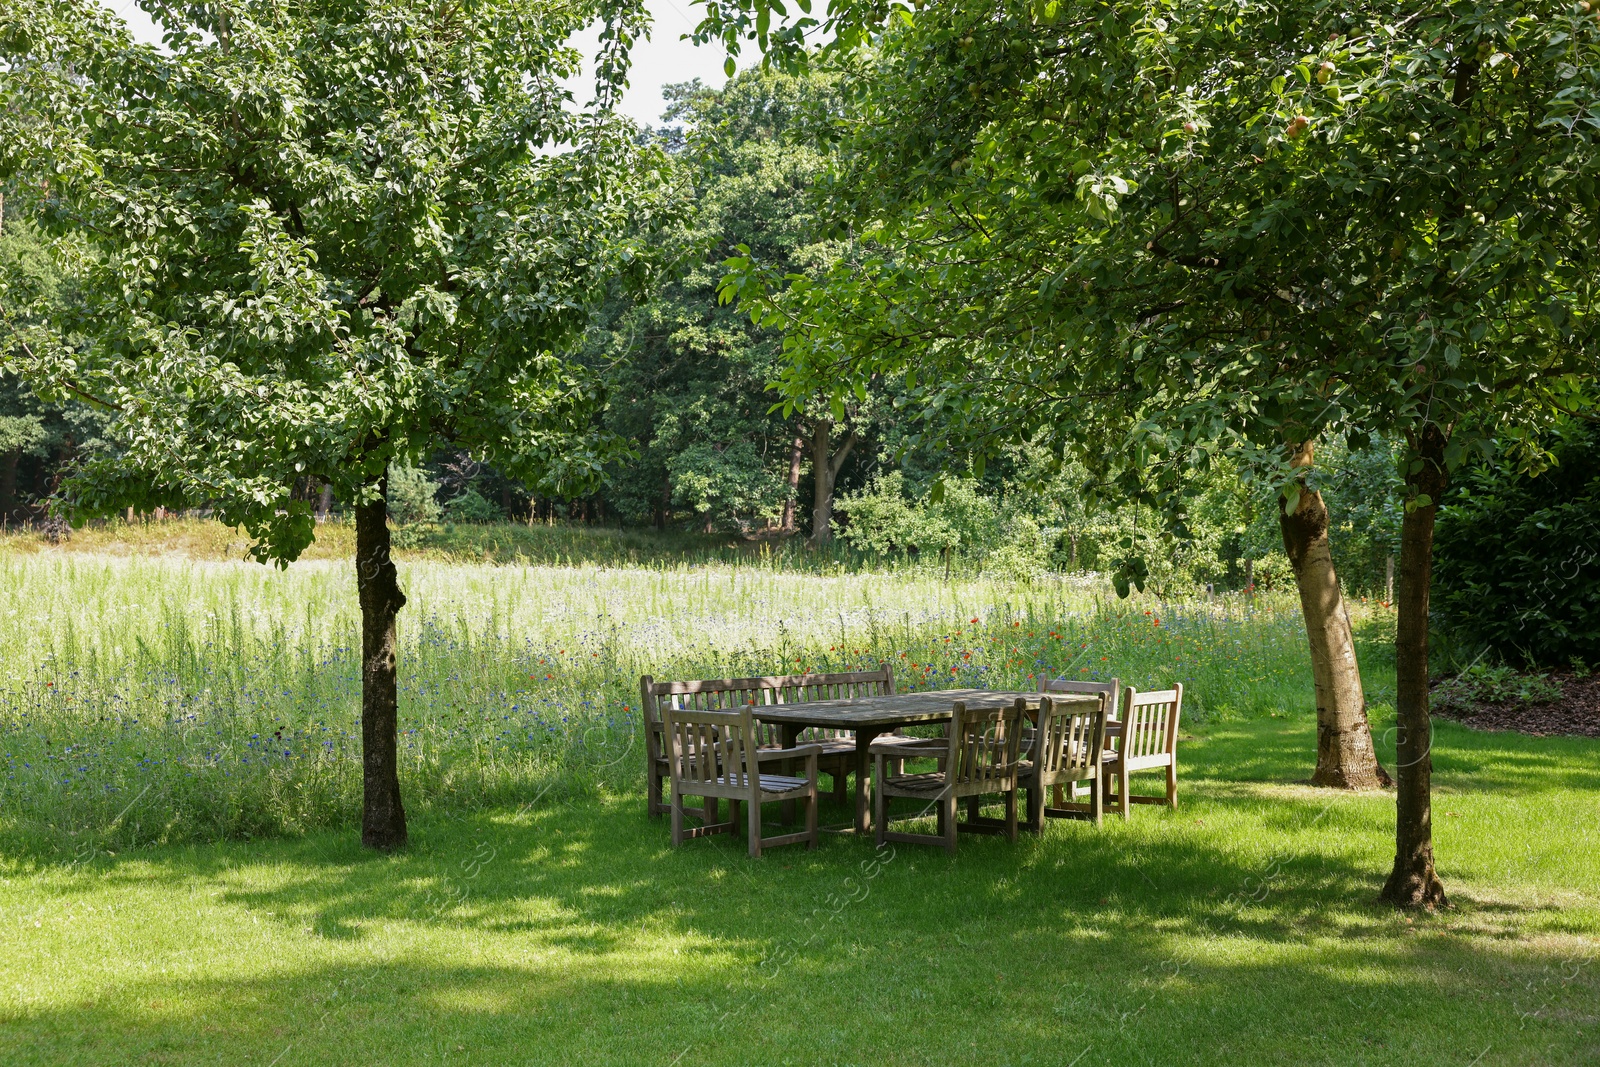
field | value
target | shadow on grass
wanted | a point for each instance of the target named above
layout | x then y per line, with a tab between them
1228	931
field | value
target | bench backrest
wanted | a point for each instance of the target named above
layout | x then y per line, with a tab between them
1110	690
720	694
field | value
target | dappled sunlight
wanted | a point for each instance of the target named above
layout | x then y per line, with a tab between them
573	928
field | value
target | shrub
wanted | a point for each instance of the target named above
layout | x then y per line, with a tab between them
472	506
1484	684
1517	559
963	522
411	495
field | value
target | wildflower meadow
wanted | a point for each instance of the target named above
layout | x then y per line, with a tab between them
148	700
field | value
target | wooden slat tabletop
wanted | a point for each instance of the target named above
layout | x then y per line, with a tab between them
902	709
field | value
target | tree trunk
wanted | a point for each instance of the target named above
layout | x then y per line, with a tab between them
383	818
8	471
825	465
325	502
792	499
1345	756
1413	882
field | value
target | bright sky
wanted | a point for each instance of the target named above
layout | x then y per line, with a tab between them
662	60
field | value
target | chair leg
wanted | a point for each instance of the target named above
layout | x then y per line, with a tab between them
1036	809
677	819
733	816
880	816
710	810
654	804
755	829
1122	793
1011	814
1097	803
947	809
1172	785
811	819
1060	797
974	808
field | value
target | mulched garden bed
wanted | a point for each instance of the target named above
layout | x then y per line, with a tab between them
1577	713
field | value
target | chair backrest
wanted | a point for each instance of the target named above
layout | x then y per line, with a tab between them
1071	737
984	744
711	748
715	694
1110	690
1150	722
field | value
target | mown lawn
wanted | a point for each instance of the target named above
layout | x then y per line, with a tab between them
1240	929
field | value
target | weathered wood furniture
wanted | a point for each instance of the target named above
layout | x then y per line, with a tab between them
718	754
979	758
838	745
1068	748
1149	740
714	694
870	717
1111	690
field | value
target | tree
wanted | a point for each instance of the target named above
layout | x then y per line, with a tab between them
688	377
1345	755
37	439
1228	230
1516	558
320	239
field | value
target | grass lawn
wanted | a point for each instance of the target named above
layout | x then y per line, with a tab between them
1240	929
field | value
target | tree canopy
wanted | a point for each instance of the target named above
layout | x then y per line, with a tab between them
1219	228
321	237
318	239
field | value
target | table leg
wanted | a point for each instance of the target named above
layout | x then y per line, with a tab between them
791	736
864	739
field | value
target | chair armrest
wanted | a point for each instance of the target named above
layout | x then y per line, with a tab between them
797	752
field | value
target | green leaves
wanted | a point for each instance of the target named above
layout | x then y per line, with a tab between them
329	236
1131	569
1291	497
1224	232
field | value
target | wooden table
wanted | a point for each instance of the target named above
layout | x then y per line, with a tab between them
867	717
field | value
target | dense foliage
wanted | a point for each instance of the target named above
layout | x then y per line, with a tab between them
687	377
1518	559
321	238
38	439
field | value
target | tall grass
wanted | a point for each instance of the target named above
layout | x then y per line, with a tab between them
149	700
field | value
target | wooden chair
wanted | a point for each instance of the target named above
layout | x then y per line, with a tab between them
978	758
1111	691
717	754
1149	739
1069	747
837	747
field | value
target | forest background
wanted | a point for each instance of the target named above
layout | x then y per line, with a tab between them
686	383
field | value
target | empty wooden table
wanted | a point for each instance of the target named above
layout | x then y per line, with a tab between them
867	717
